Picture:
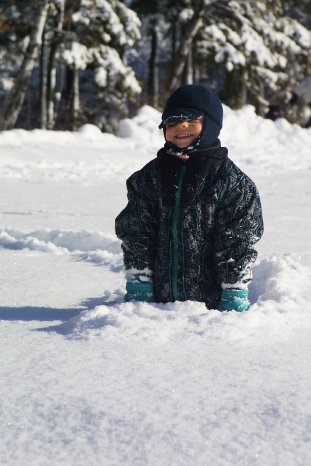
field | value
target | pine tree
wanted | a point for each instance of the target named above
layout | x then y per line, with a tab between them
15	25
79	53
166	46
97	40
255	50
248	52
17	95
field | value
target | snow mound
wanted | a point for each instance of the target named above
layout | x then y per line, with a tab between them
91	246
253	142
143	128
90	132
281	279
87	133
281	305
274	146
251	139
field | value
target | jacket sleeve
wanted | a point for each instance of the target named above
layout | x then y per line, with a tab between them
137	225
238	226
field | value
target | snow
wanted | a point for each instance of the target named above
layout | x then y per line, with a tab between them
78	55
88	379
186	15
101	76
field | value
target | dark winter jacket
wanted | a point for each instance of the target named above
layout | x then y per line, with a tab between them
192	223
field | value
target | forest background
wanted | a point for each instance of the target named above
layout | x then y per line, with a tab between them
64	63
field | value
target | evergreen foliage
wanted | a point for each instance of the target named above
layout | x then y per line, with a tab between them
81	69
97	60
255	50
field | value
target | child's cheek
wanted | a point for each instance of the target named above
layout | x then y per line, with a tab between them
169	134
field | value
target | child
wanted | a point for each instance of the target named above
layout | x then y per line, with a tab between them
192	216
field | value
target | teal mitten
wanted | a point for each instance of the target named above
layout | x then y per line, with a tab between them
139	291
234	300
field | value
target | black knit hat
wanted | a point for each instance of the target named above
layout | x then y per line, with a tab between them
191	101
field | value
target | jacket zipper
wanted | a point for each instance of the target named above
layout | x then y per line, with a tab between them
176	216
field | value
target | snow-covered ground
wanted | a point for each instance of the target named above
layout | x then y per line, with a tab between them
86	379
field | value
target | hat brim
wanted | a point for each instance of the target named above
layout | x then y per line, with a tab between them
180	114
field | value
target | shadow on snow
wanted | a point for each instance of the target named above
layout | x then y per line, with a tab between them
29	313
47	314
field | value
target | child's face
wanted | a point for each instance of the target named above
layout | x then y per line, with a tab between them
182	133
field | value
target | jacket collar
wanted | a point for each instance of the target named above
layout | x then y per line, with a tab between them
216	152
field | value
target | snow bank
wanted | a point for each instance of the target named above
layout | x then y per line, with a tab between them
279	304
271	146
87	133
91	246
251	139
143	128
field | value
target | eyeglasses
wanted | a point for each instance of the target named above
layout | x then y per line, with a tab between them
191	122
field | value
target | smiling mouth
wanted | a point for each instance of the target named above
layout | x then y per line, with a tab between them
184	136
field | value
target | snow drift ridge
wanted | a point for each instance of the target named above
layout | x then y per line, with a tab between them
92	246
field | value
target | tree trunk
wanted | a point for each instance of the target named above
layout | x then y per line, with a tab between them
174	39
189	68
186	41
50	97
73	103
196	68
75	99
17	95
153	81
51	83
43	82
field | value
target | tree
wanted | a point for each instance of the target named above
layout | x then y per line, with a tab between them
51	43
254	49
78	49
17	96
97	40
248	52
89	60
184	53
166	45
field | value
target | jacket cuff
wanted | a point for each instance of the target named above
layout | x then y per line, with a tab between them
234	300
139	291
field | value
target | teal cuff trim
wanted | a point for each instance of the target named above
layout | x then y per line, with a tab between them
139	292
234	300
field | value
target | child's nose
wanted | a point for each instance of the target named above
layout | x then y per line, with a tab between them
185	123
